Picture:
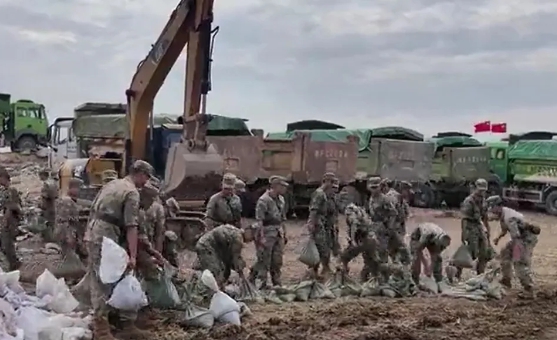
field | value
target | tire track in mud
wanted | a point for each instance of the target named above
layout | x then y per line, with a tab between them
390	319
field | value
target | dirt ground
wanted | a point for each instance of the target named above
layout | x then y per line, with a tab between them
404	319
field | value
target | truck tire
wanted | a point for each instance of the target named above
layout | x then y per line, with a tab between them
551	203
26	143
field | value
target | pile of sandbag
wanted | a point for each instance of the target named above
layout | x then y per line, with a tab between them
482	287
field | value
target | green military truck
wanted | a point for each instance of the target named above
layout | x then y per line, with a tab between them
458	162
24	123
528	168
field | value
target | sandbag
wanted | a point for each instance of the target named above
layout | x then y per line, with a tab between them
198	317
70	267
162	293
428	284
222	304
309	254
320	291
370	288
114	261
303	290
342	285
128	295
272	297
462	258
248	293
81	290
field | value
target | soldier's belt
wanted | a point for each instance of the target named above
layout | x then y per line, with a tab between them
108	219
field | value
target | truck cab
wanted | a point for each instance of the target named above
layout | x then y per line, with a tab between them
24	122
62	142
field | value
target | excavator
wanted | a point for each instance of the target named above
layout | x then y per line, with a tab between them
194	167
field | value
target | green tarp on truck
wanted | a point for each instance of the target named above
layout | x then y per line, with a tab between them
534	150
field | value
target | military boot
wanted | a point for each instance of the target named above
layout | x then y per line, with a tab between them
506	282
275	279
101	329
528	293
326	272
131	332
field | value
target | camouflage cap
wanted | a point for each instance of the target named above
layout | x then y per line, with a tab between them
229	181
278	180
481	184
374	182
75	182
149	190
143	167
493	201
239	185
109	175
329	176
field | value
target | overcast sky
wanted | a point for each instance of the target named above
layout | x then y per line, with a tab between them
432	65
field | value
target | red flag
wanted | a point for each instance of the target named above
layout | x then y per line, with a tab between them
499	128
482	127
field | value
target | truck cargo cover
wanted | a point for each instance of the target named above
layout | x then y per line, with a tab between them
534	149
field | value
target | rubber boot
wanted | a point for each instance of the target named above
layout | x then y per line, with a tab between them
101	329
131	332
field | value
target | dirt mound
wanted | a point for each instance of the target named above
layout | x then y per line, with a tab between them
14	159
387	319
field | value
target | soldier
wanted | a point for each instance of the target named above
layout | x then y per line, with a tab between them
361	240
270	238
320	222
334	205
154	217
67	218
49	194
397	247
10	204
222	207
474	212
108	176
115	214
524	237
382	213
220	251
170	243
431	237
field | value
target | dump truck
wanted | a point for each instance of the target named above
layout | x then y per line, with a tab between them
458	162
24	124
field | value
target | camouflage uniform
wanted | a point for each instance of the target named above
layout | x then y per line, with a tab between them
225	208
170	245
67	220
220	251
321	217
397	248
513	223
270	213
334	205
49	194
108	176
361	240
474	212
382	213
431	237
10	204
114	211
155	224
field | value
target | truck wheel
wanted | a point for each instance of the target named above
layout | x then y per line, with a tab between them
26	143
551	203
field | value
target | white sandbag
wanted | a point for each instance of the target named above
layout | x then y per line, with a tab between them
128	295
221	304
199	317
32	320
9	279
46	284
428	284
8	319
66	321
50	333
232	318
76	333
209	280
310	254
62	301
462	258
114	261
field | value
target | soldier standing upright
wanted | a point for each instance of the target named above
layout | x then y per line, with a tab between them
115	215
67	218
397	248
10	205
382	213
270	237
223	207
474	235
49	194
524	238
334	205
320	222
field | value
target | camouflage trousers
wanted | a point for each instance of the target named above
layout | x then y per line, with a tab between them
49	219
269	260
325	243
522	267
392	243
100	292
170	251
477	243
7	244
367	246
208	258
436	260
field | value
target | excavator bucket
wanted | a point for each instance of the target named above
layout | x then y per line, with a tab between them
193	174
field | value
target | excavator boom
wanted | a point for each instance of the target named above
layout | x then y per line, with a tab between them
192	163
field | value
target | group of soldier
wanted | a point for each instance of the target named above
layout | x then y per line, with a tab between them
132	211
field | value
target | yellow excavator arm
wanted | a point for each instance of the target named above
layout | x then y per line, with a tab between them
189	24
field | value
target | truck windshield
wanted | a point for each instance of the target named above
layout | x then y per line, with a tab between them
36	112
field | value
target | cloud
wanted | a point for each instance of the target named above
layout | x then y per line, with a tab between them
431	65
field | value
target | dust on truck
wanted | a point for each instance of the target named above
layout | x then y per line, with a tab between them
24	123
458	162
532	173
